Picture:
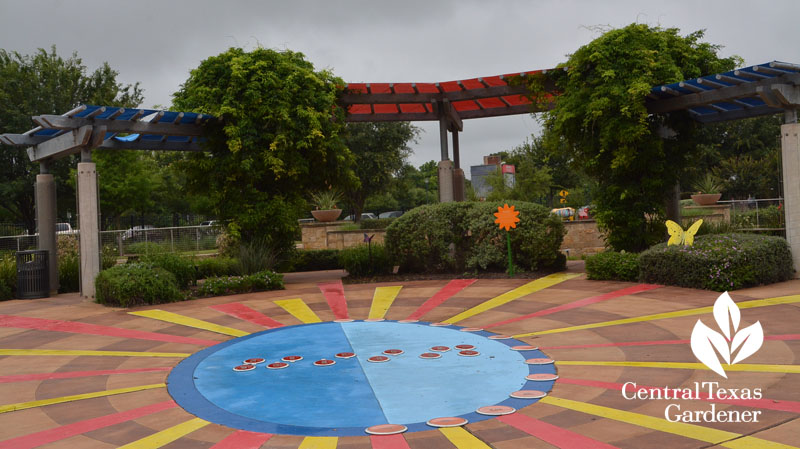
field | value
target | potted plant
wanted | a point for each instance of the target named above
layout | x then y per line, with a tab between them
708	191
325	205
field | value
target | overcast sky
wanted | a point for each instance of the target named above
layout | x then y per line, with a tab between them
158	42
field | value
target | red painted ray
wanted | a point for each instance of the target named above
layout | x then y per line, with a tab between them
243	312
452	287
580	303
243	439
334	294
70	430
770	404
76	327
388	442
71	374
558	437
658	342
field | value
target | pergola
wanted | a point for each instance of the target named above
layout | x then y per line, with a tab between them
768	88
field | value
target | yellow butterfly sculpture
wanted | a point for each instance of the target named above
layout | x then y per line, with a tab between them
677	236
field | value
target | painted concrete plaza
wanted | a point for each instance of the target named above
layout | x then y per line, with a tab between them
77	374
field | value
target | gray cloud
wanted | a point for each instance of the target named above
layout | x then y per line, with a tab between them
159	42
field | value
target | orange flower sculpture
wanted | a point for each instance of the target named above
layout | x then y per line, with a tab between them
506	217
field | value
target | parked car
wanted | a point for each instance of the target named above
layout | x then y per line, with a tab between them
392	214
65	229
210	223
137	233
364	216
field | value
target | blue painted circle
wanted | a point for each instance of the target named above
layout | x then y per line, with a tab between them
345	398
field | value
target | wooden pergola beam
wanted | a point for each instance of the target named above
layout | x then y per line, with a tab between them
119	126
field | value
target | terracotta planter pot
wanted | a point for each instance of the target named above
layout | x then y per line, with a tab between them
706	199
326	215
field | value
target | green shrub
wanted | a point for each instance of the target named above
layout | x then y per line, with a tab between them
611	265
180	267
314	260
719	262
69	273
228	285
765	217
216	266
8	276
145	248
256	256
136	284
378	223
362	260
454	237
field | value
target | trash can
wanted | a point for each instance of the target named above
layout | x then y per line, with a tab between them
32	274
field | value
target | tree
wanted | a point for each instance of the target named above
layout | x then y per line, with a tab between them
380	150
603	121
278	137
127	181
45	83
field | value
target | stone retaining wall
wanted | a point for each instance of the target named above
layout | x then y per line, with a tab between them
582	237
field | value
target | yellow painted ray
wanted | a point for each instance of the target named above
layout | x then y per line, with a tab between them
726	439
463	439
75	397
80	352
757	368
519	292
167	436
299	309
319	443
184	320
676	314
382	299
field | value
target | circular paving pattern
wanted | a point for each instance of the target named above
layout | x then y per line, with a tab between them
77	374
400	389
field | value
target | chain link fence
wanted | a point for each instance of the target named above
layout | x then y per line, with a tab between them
137	240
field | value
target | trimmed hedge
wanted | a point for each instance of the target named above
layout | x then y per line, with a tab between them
216	266
136	284
228	285
719	262
180	267
362	261
376	223
459	236
315	260
611	265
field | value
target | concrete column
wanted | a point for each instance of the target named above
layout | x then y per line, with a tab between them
459	185
445	181
443	138
46	222
88	223
790	153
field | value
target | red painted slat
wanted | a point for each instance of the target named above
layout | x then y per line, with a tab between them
557	436
769	404
412	108
70	430
580	303
359	109
243	312
388	442
386	109
71	374
334	294
94	329
452	287
243	439
466	105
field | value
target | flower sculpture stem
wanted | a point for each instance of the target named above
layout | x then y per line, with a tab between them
507	219
510	260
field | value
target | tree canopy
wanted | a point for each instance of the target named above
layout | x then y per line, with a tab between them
46	83
380	150
278	138
601	117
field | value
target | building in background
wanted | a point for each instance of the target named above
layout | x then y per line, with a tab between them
480	173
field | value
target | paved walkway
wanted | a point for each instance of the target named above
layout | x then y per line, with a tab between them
74	374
